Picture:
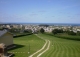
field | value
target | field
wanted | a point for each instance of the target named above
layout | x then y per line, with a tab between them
62	47
26	44
66	36
58	47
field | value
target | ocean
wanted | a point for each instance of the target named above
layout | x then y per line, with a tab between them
64	24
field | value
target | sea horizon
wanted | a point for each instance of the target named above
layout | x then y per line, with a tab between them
72	24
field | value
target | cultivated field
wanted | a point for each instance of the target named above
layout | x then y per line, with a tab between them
48	46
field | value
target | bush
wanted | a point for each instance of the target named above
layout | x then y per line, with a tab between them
21	35
71	33
66	36
78	33
28	31
42	30
55	31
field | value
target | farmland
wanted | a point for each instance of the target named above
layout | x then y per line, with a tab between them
58	47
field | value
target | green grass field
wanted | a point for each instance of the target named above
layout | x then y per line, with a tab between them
62	47
25	44
58	48
66	36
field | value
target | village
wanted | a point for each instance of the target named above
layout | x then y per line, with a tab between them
35	28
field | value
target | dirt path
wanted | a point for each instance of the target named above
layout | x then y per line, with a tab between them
42	49
39	50
45	49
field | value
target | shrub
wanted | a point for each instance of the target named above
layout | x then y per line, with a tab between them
42	30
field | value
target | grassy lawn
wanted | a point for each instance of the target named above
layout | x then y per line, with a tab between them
66	36
61	47
25	44
58	48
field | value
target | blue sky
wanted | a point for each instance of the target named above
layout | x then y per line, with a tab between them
40	11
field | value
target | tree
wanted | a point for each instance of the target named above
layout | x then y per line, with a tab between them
45	25
78	33
55	31
14	30
60	31
28	31
71	33
42	30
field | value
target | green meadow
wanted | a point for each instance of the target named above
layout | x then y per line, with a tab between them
62	47
58	47
26	45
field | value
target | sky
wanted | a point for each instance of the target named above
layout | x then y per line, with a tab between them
40	11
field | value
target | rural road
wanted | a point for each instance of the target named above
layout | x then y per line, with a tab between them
42	49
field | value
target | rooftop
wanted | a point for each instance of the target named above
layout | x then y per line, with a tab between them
2	32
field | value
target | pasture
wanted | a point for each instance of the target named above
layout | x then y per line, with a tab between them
62	47
58	47
26	45
66	36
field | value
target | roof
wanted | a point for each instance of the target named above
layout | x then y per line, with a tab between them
3	32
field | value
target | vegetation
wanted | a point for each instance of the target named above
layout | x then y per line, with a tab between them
78	33
42	30
70	33
55	31
66	36
61	47
21	34
45	25
28	31
58	47
26	44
